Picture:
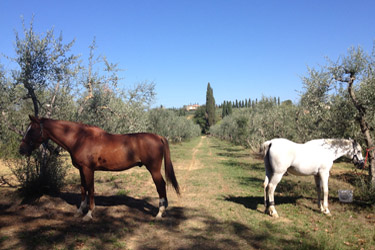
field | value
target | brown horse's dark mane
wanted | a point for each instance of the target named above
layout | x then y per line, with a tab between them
42	120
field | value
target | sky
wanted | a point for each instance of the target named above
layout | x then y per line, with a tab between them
243	48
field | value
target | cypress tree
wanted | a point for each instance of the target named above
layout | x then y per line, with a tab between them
229	111
210	106
224	111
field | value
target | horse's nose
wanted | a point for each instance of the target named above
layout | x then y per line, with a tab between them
22	151
361	164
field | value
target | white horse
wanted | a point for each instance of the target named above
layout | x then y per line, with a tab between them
312	158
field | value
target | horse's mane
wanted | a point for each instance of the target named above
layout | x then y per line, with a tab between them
338	142
71	122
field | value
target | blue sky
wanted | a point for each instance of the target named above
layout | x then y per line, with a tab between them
245	49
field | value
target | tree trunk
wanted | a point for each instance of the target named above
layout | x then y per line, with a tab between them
31	94
364	128
53	99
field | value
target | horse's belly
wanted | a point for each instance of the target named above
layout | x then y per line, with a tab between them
302	171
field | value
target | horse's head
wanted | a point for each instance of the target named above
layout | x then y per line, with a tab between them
356	155
33	137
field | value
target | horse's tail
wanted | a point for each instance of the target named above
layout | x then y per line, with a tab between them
169	172
266	154
264	148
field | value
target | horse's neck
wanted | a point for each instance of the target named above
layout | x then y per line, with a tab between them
336	147
61	132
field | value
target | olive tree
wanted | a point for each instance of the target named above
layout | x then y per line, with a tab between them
39	85
104	104
340	99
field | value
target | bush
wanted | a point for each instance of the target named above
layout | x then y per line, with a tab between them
173	127
40	174
252	126
364	191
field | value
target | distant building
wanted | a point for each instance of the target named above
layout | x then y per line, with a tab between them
191	107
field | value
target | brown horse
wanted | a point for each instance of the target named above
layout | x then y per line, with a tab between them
91	149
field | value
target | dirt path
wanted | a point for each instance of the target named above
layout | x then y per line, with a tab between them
194	163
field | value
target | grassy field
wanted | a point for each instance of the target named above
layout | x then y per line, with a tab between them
221	207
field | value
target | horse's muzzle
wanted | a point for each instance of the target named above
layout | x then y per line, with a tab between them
360	164
24	151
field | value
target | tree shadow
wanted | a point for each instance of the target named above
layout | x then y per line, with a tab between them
252	202
251	182
142	205
351	177
233	155
236	163
182	228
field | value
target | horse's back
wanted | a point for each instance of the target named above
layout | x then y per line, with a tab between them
121	151
299	159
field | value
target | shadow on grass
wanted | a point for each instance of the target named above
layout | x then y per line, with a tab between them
350	177
113	226
142	205
231	152
252	202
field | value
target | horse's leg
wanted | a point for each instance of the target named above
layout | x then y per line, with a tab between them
89	180
324	177
318	184
268	168
275	179
83	204
265	186
160	187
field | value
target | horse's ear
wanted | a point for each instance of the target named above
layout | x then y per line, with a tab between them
34	119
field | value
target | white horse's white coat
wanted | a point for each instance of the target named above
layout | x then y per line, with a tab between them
312	158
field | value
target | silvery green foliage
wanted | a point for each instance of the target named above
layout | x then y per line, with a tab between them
251	126
45	68
38	83
102	103
168	124
117	111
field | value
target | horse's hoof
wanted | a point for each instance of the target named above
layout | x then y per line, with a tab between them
87	218
275	215
79	213
327	212
160	215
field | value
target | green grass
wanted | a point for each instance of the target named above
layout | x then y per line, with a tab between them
301	225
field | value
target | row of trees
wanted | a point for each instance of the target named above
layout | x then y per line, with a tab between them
247	103
337	101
